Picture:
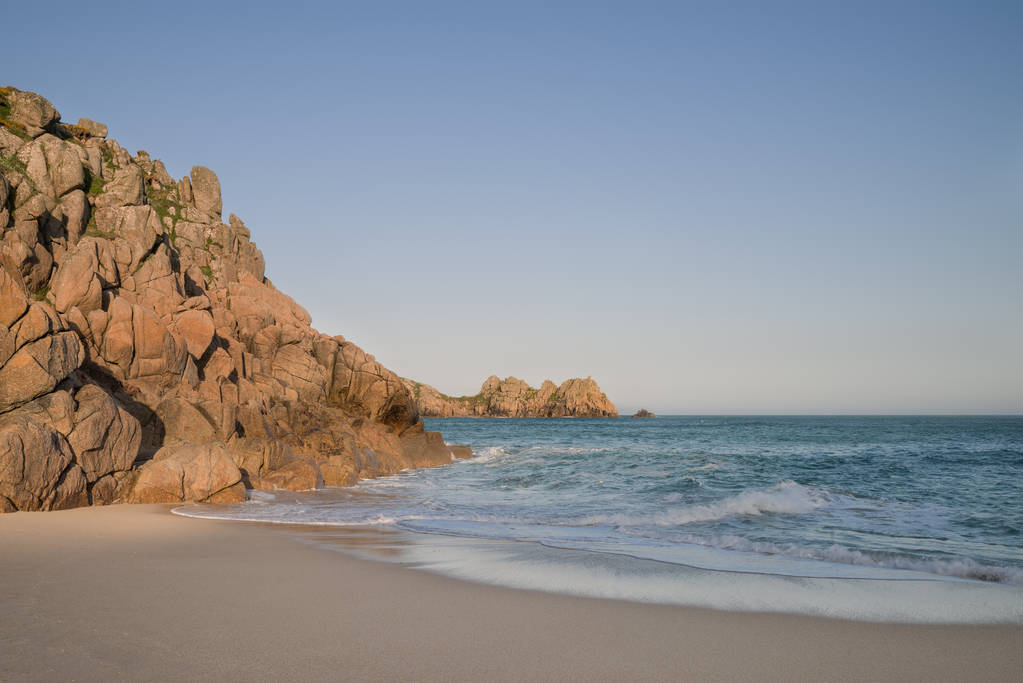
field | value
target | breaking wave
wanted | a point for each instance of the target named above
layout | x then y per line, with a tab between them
786	497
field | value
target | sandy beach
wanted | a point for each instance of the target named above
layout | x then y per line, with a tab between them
136	593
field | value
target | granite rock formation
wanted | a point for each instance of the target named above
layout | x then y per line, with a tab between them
144	354
643	412
512	397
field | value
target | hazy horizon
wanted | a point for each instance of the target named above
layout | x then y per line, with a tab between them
784	208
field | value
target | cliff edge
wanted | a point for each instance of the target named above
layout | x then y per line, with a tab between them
512	397
144	354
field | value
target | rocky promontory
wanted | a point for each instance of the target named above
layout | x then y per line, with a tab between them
144	354
513	397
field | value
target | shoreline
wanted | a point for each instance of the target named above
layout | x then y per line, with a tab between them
137	592
881	595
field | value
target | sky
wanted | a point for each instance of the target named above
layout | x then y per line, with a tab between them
719	207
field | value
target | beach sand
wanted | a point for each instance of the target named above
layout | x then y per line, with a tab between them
136	593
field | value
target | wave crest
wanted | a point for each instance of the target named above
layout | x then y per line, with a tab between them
786	497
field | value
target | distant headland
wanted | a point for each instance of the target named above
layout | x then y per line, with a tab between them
513	397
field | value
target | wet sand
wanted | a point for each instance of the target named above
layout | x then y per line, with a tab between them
136	593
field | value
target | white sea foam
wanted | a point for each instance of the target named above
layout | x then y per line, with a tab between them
625	578
786	497
302	518
568	450
964	568
489	454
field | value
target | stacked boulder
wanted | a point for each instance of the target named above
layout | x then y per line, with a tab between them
145	356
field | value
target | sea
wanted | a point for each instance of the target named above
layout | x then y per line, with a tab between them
895	519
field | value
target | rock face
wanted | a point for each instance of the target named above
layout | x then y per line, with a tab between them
643	412
145	356
512	397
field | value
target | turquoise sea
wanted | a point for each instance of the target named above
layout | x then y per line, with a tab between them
879	518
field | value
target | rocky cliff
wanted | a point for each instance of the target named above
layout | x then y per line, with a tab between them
144	355
512	397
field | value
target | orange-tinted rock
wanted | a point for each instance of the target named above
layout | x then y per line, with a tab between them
37	367
196	472
338	471
196	328
160	334
363	387
31	110
206	191
298	475
37	471
255	456
184	422
106	437
13	298
512	397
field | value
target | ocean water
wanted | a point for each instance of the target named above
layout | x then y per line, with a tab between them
883	518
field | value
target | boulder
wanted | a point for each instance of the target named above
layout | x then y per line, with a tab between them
9	142
133	231
136	344
93	128
189	472
363	387
256	456
106	437
77	282
183	422
156	282
31	110
206	191
52	166
37	367
220	365
73	215
127	188
110	489
297	475
37	471
13	299
196	329
338	471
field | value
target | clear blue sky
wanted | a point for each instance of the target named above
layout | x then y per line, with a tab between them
710	207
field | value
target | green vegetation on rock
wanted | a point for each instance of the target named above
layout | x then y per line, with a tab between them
96	184
5	115
12	164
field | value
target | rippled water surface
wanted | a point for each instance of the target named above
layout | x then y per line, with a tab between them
884	498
